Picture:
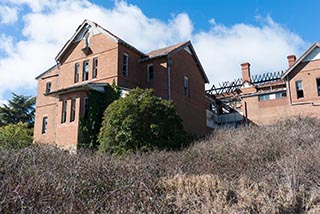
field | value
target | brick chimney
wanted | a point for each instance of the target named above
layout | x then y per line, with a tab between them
245	72
291	60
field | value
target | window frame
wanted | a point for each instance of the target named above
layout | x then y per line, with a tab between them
48	87
318	85
95	67
125	65
186	86
73	110
85	72
64	111
272	96
299	92
76	72
150	77
44	129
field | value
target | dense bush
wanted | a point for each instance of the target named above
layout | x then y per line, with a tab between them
15	136
272	169
141	121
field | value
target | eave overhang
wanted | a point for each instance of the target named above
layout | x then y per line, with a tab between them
100	87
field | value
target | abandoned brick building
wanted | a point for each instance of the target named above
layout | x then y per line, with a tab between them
264	99
94	57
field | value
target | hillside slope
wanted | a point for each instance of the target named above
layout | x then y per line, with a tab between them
272	169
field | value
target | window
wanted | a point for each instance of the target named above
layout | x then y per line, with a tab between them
272	96
86	107
48	87
95	68
299	89
76	72
318	86
186	86
44	125
73	110
64	112
150	72
85	75
125	64
264	97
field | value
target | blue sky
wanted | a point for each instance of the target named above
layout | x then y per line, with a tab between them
224	33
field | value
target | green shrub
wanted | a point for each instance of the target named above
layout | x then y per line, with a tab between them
15	136
91	123
141	121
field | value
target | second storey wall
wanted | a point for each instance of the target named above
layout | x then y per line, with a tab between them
191	108
104	49
308	73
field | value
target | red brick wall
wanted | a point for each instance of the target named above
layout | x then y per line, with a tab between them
266	111
190	109
135	70
46	107
159	83
269	111
67	133
103	48
308	73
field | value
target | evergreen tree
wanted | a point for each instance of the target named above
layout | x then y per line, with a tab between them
19	109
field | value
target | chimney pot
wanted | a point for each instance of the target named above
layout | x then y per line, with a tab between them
291	60
246	72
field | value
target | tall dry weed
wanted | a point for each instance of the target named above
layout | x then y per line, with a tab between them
274	169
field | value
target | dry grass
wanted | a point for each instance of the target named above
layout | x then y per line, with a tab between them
272	169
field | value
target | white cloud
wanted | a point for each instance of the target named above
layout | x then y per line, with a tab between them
50	23
8	15
222	49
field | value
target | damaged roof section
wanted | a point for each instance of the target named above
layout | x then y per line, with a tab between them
259	81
